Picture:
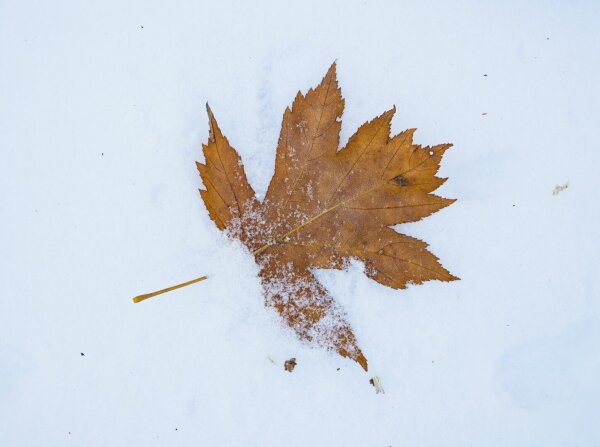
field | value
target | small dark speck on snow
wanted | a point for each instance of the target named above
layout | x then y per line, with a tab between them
82	354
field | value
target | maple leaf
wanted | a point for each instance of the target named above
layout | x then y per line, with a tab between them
326	206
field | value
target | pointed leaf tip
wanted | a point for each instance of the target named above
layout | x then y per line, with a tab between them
209	112
331	72
390	113
212	124
362	361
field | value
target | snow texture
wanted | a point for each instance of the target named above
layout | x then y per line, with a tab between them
101	119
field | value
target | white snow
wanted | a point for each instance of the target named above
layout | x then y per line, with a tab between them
101	119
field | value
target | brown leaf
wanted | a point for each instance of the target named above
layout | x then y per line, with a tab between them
325	206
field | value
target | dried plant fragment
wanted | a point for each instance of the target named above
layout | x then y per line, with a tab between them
290	364
376	382
559	188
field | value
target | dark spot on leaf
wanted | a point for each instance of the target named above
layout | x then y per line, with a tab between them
401	180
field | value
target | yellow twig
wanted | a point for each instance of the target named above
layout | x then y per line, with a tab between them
139	298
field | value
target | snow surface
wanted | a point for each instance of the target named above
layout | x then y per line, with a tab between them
101	119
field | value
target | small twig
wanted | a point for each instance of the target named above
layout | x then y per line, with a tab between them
139	298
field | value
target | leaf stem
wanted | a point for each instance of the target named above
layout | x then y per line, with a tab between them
139	298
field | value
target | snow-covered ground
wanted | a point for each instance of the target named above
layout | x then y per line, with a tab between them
101	119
